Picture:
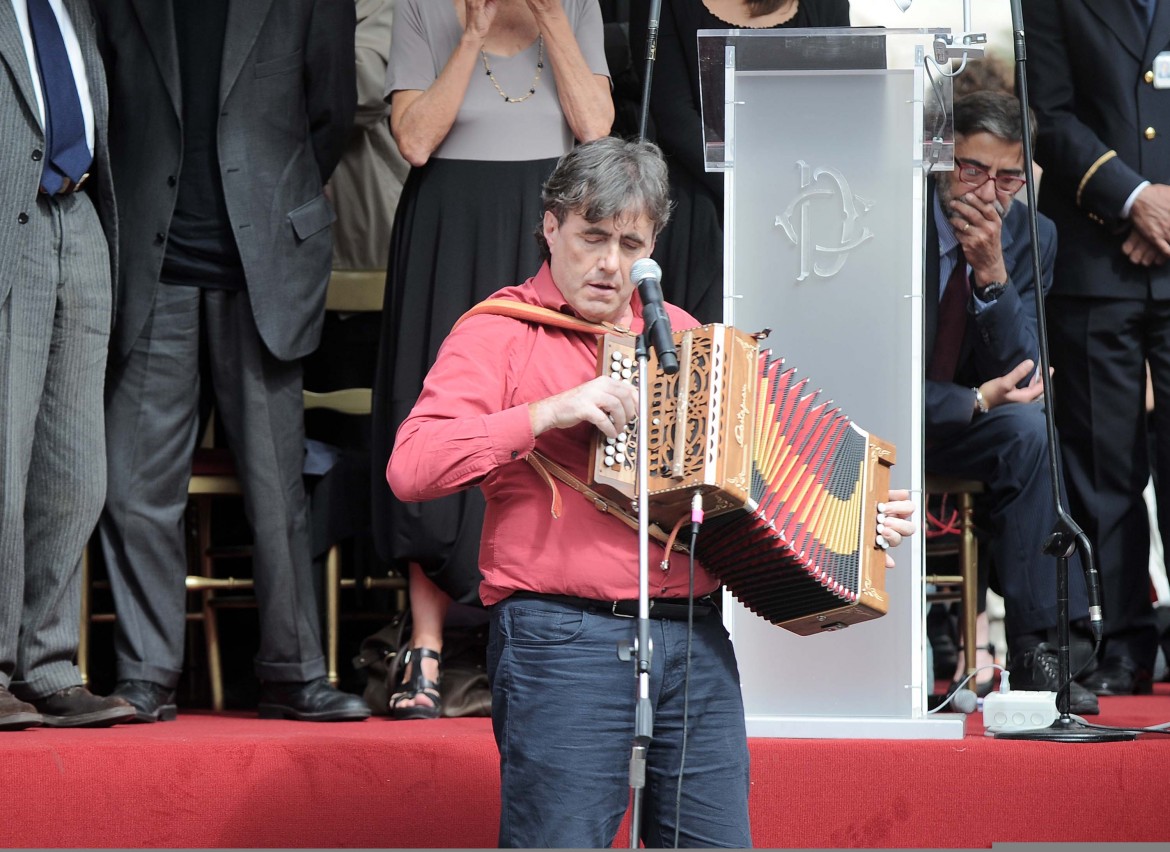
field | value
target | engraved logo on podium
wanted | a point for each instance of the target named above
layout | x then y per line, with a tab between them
826	183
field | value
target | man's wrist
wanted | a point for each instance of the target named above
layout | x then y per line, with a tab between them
990	291
1127	208
980	402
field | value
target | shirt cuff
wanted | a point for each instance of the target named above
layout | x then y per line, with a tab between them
510	433
1125	210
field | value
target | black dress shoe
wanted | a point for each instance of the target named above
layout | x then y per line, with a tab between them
77	707
16	715
1038	669
152	702
1119	676
310	701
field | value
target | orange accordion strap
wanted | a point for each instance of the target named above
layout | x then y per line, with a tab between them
539	314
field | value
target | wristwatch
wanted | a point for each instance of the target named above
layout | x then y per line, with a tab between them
991	292
980	402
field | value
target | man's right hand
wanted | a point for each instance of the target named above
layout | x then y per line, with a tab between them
1151	216
1002	390
607	403
1140	251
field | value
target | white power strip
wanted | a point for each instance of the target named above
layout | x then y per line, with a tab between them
1019	710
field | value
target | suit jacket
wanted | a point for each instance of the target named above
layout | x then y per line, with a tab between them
287	96
22	140
367	183
999	337
1087	66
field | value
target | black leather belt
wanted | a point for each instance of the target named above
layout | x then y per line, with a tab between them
672	609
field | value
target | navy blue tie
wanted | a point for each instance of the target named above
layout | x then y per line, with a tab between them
68	156
1146	7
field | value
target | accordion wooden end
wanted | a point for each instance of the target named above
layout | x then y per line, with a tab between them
790	485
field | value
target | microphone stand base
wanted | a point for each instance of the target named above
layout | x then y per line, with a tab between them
1068	730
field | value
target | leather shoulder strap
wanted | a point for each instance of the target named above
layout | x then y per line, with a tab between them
547	469
540	314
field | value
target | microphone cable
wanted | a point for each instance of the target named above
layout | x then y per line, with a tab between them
966	701
1084	666
1163	728
696	522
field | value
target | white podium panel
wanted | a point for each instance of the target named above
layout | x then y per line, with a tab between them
822	142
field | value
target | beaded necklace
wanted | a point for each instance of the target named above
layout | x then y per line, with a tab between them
536	79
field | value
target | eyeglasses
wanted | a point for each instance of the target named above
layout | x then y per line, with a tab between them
974	175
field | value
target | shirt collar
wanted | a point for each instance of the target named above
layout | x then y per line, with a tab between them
550	296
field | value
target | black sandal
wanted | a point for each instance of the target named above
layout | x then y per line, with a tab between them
418	684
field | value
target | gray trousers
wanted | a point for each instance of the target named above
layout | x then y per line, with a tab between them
152	418
54	335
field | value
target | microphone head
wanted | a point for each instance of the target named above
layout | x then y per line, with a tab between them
644	268
965	701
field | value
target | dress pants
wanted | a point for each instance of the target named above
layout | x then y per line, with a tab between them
1099	350
563	715
152	416
1007	449
54	335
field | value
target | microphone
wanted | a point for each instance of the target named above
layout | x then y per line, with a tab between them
1092	588
965	701
646	273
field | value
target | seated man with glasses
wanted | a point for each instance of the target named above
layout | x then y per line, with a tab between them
984	391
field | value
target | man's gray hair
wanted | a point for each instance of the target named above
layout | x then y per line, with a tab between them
992	111
605	178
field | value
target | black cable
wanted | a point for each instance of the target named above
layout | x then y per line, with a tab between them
1164	728
686	678
1081	670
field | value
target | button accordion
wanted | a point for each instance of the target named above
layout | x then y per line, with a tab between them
790	485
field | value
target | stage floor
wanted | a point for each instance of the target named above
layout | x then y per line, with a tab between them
232	780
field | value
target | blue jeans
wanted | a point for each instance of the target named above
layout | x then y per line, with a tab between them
563	715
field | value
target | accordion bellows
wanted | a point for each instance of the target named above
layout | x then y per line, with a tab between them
790	484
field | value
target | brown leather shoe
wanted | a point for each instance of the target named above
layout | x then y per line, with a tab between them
15	715
77	707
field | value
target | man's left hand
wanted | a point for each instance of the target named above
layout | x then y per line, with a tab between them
895	524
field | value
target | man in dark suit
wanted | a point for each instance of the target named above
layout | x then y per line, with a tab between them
226	119
57	246
1099	80
984	418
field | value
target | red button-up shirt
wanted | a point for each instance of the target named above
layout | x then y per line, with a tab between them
470	427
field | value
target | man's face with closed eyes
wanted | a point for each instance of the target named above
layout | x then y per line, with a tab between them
590	261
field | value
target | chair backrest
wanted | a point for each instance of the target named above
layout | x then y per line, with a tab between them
350	291
356	290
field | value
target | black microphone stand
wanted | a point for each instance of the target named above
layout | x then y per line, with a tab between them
648	75
1066	536
640	651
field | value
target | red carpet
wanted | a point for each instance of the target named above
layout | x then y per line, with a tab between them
236	781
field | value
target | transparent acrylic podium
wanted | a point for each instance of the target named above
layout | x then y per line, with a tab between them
825	137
